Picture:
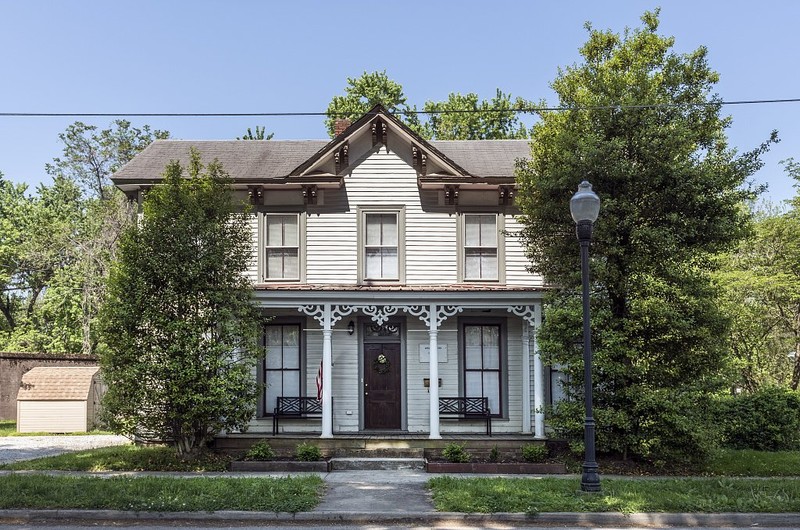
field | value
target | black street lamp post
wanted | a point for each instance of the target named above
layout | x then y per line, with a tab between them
584	207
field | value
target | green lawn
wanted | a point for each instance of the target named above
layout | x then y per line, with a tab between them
750	463
123	458
293	494
8	427
490	495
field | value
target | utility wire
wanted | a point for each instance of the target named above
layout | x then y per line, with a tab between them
518	110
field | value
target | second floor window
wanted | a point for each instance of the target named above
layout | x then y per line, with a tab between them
380	246
282	247
480	247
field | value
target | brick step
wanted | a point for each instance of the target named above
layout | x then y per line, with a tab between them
375	464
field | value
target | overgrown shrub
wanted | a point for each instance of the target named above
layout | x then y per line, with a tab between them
307	452
534	452
456	453
668	427
260	451
766	420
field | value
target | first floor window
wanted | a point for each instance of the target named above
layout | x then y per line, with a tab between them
482	364
281	363
282	247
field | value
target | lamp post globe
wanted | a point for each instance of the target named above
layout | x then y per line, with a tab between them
584	208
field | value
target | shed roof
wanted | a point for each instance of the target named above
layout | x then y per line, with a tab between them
57	383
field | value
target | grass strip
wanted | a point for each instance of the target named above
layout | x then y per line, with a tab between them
123	458
751	463
292	494
693	495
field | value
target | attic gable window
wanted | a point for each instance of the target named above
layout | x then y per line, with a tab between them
282	242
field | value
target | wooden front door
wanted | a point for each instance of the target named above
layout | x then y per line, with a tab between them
382	395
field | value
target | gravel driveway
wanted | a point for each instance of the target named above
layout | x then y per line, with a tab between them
15	448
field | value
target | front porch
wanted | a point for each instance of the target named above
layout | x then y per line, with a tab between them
368	367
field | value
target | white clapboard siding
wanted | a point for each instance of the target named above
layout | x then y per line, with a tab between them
252	268
516	261
380	179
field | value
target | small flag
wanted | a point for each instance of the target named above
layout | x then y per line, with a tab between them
319	382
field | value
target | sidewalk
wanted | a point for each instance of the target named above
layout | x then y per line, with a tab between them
389	497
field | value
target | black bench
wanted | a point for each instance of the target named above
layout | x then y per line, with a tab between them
295	407
468	408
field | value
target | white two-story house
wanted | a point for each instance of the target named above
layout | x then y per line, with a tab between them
391	265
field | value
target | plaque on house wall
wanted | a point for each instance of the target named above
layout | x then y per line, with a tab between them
425	353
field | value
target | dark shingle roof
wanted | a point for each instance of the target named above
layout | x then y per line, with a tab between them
249	160
485	158
241	159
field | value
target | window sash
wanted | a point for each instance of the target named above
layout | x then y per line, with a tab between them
282	247
482	364
381	261
480	247
282	363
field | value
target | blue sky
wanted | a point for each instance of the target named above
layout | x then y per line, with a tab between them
294	55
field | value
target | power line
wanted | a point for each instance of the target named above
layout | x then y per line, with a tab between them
517	110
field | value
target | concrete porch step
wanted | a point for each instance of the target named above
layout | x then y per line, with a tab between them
370	464
379	452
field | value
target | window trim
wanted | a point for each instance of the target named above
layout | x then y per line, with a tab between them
301	247
400	212
462	357
461	239
263	410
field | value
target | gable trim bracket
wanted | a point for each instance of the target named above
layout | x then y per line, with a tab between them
420	160
451	195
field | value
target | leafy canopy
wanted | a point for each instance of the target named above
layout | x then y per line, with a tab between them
363	93
671	190
461	117
761	283
178	320
91	156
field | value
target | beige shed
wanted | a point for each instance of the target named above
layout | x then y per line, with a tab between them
59	399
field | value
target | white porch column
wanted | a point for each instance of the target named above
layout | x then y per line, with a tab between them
327	370
526	378
433	331
538	376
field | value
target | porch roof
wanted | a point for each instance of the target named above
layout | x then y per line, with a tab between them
465	295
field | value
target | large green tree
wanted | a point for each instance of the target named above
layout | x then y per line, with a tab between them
178	320
91	156
364	92
761	281
644	127
460	117
57	243
466	117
